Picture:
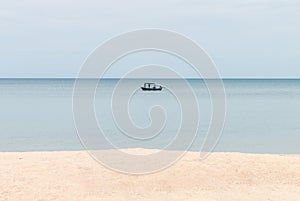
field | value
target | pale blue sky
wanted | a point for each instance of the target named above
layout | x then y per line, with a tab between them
245	38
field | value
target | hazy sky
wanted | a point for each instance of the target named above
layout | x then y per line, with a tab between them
245	38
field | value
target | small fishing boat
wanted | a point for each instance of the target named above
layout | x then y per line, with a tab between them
151	87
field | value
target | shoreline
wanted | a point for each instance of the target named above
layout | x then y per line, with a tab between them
147	150
75	175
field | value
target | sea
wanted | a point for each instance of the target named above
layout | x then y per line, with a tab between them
262	115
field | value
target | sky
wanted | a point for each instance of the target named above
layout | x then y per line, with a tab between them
52	38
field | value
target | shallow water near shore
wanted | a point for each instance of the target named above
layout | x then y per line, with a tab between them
263	116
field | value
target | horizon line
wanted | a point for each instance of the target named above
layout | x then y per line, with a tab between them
195	78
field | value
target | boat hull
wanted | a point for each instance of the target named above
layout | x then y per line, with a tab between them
153	89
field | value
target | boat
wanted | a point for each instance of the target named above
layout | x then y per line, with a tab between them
151	87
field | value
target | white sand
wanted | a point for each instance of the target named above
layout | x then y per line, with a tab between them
222	176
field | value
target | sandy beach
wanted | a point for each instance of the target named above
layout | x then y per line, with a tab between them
74	175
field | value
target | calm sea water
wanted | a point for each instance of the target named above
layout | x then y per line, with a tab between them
263	116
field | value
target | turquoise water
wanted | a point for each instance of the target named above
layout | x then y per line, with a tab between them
263	116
